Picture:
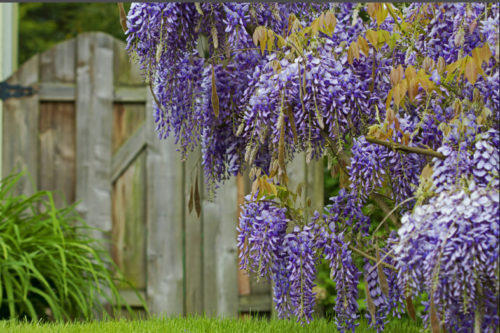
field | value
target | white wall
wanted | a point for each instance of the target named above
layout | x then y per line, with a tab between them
8	48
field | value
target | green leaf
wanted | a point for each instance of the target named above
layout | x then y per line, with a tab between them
202	46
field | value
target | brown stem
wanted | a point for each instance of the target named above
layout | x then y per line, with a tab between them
406	149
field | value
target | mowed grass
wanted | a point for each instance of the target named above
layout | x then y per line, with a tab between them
197	324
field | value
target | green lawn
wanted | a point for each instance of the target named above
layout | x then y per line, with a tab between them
196	324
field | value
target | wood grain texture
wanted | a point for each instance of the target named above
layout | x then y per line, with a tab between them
193	239
165	202
220	252
57	147
129	222
57	92
127	119
94	105
58	63
20	130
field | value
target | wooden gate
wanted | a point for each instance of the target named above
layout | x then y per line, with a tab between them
88	134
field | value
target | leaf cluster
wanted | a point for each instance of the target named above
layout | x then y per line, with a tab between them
50	265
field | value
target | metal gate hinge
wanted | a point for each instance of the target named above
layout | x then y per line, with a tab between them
14	90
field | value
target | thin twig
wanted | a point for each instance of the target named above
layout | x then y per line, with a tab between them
381	203
391	212
367	256
406	149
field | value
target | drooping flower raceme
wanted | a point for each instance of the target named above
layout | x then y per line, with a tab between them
250	107
450	249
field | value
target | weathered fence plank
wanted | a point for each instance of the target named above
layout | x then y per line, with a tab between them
129	223
220	253
94	104
165	193
193	236
20	129
57	147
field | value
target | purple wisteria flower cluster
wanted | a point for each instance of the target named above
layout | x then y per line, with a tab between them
449	248
405	98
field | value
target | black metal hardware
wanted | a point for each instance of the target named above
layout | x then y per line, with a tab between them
14	90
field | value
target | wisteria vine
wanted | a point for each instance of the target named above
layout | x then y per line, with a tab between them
403	101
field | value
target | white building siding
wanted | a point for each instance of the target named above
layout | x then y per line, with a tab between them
8	48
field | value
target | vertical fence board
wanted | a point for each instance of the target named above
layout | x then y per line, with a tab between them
20	129
210	220
165	206
129	227
193	237
57	170
94	103
220	254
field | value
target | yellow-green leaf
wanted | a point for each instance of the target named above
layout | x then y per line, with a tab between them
281	41
363	45
330	22
410	72
372	37
471	71
382	37
352	52
381	15
392	40
412	89
270	40
388	100
315	26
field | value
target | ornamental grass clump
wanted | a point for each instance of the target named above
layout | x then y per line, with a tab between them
50	266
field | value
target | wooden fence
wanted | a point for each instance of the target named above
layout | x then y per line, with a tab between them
88	134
